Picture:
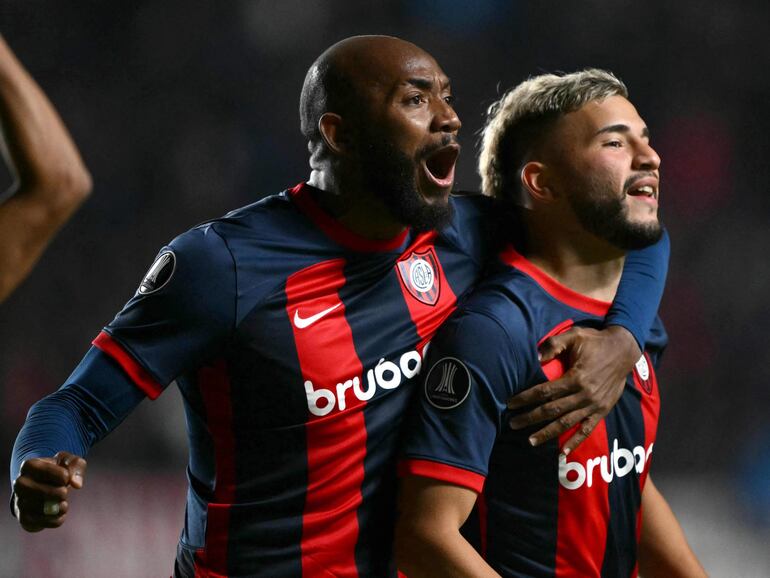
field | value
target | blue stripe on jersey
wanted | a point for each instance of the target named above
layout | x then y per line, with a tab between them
625	423
372	331
271	456
522	523
459	270
201	468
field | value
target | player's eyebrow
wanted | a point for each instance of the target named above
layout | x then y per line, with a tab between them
622	128
424	83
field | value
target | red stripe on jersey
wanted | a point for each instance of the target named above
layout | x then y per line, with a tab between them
214	384
650	403
553	287
427	318
583	513
650	409
336	436
138	374
443	473
555	367
201	572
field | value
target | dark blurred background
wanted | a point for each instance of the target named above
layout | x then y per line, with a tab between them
185	110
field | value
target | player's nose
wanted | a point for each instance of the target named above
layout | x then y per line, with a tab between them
646	157
445	118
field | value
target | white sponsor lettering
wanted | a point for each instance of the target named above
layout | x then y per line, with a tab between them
620	462
386	374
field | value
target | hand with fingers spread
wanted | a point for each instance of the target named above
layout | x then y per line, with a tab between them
41	491
598	363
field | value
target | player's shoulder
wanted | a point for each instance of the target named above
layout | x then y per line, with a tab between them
471	209
260	217
498	297
255	218
266	207
473	202
494	313
491	335
469	229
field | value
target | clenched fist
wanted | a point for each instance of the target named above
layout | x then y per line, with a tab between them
41	490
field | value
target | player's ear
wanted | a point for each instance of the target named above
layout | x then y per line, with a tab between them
334	132
535	182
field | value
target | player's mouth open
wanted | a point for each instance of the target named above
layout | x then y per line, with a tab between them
440	165
644	187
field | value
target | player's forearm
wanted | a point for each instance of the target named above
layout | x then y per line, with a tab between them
641	289
40	150
663	548
55	423
431	552
95	400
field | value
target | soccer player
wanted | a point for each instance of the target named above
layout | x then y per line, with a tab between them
575	157
295	329
51	180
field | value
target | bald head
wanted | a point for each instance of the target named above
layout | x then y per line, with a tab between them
336	80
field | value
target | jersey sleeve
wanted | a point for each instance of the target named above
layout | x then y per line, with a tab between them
181	315
473	367
91	403
641	289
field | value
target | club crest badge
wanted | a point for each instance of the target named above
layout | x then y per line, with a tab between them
643	373
420	275
159	274
448	383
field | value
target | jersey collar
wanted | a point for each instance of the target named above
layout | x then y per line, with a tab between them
551	286
302	197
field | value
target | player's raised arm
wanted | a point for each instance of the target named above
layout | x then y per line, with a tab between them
51	180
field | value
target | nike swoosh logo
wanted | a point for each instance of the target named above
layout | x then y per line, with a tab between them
301	322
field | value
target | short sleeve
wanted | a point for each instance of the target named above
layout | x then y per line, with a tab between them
181	315
473	367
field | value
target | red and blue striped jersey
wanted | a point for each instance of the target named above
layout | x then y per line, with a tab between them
294	343
538	514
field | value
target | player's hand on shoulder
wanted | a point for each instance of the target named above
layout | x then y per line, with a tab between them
41	490
597	363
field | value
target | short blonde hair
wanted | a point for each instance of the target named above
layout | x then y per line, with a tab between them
518	121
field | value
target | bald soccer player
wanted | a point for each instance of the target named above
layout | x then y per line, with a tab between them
295	329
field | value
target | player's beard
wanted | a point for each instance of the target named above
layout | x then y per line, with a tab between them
390	174
606	216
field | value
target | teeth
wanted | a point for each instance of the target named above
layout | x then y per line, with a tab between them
646	189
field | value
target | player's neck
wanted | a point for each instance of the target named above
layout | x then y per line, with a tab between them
357	209
576	259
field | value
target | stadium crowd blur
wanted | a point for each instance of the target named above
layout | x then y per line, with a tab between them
184	110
